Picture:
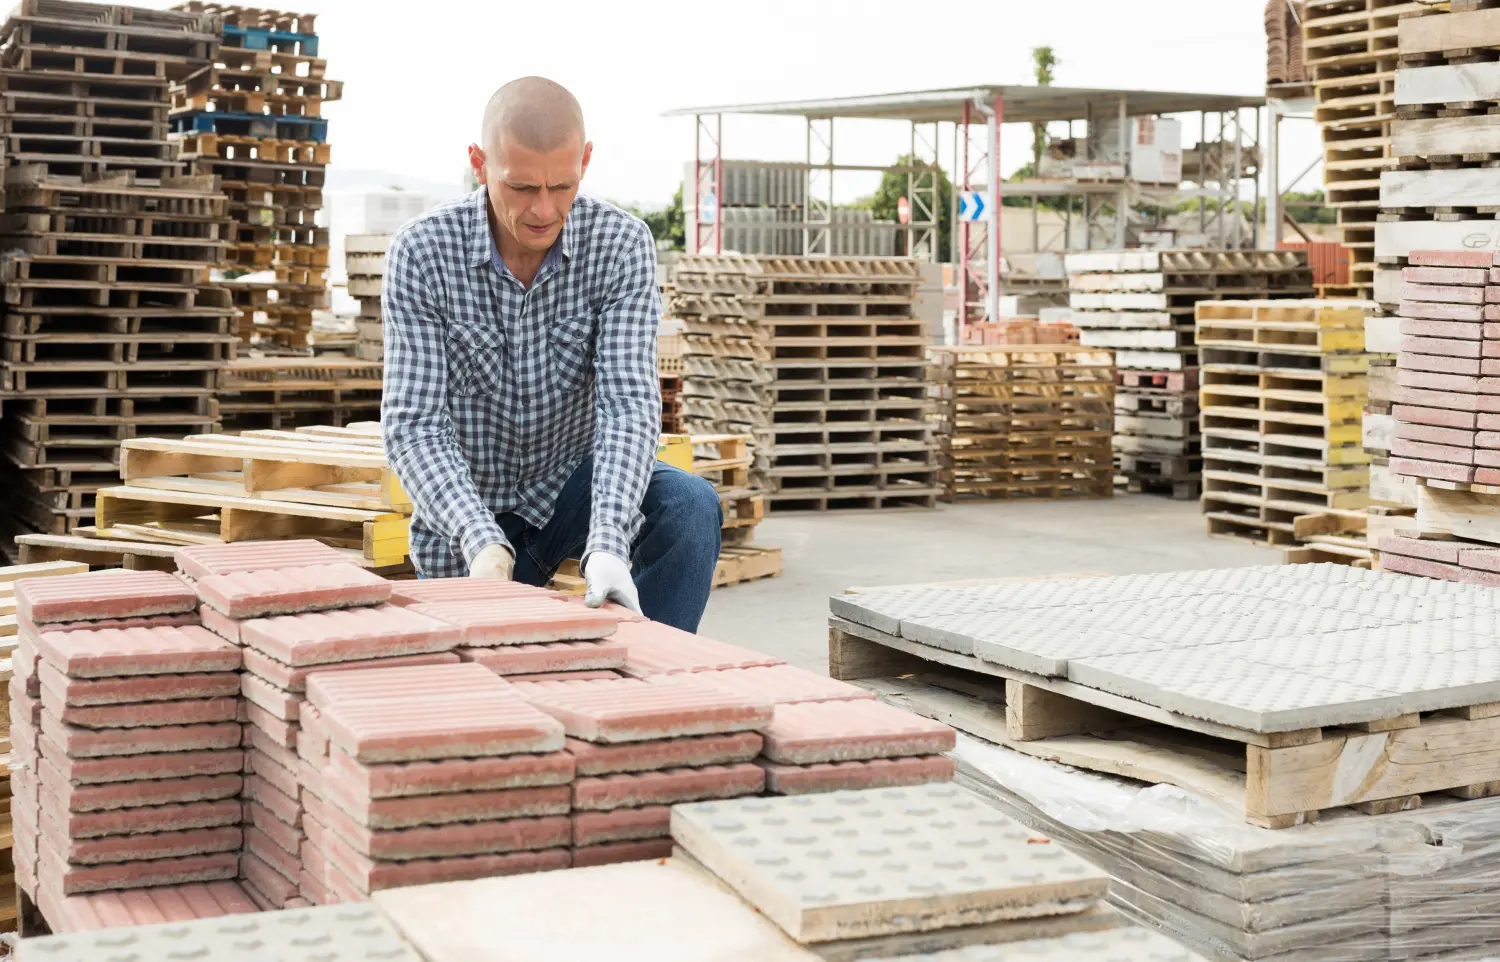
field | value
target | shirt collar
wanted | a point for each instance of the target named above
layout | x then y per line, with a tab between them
482	246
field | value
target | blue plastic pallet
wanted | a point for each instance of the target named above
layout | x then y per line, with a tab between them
251	125
259	38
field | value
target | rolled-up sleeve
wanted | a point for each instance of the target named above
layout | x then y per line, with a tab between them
417	427
628	420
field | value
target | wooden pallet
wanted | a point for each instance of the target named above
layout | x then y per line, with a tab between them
1275	780
746	563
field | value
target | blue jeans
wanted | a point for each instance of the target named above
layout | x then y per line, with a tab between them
674	554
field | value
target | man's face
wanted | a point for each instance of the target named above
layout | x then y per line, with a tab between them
531	191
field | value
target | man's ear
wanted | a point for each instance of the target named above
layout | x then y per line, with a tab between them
588	153
476	161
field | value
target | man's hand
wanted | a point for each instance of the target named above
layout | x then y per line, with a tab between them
608	579
495	561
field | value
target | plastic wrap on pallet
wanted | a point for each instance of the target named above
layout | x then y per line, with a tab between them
1423	884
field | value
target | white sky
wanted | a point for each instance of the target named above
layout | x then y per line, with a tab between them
417	74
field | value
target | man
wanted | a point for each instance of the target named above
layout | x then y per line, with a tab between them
522	407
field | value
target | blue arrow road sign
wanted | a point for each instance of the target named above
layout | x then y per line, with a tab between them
972	204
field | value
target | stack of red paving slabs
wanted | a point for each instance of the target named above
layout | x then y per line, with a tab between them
296	608
124	727
520	632
428	774
1447	400
656	649
826	746
643	745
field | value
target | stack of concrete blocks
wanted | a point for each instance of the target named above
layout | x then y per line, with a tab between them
364	262
296	607
123	725
1378	429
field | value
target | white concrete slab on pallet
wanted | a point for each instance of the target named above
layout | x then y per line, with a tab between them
1447	84
1132	944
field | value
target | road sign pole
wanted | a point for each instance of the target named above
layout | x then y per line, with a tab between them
992	300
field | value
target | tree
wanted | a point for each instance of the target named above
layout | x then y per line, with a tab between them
1044	60
893	186
668	226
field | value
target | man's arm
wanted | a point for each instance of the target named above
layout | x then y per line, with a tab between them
419	438
628	396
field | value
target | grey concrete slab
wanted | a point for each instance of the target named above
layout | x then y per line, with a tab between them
1133	944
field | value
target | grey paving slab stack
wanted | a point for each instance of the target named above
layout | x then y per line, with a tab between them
1140	303
822	361
364	259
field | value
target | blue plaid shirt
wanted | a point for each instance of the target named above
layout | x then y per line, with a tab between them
494	392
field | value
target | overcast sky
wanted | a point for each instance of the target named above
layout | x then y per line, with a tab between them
417	74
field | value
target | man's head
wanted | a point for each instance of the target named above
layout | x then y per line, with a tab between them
530	158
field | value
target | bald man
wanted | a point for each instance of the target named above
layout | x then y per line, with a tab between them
522	408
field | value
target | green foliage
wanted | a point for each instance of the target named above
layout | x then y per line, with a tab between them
668	225
893	186
1306	207
1043	61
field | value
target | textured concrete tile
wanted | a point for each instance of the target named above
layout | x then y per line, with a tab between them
1128	944
142	846
1040	642
693	752
460	590
188	711
633	709
487	837
322	637
137	688
656	649
275	801
412	811
602	674
147	818
429	712
616	853
168	906
371	875
280	703
559	656
201	561
666	787
262	878
122	768
402	779
98	742
283	778
103	594
838	731
252	594
114	652
622	825
839	776
834	866
132	794
73	879
780	684
285	864
287	837
292	679
520	622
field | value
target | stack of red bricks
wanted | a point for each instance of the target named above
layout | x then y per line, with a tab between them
124	730
428	774
1447	400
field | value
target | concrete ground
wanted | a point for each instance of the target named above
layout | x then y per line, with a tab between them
822	554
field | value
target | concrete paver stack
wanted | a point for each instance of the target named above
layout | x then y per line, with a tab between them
364	263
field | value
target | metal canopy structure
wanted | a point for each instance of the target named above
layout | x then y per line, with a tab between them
977	114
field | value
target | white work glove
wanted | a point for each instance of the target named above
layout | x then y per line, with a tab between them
608	579
495	561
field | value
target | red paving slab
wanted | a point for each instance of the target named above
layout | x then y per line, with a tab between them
1437	435
444	841
286	864
436	590
1443	293
191	711
404	779
658	649
153	906
1432	381
292	679
352	634
613	853
837	776
283	732
622	825
103	594
1432	550
312	735
1411	361
146	791
837	731
372	876
783	684
151	818
121	768
1443	346
694	752
114	652
634	709
221	625
619	611
149	845
280	703
266	745
429	712
263	880
138	688
1435	399
553	657
666	787
409	812
252	594
201	561
287	837
97	742
1481	259
1437	417
1427	273
282	778
75	879
604	674
275	801
520	621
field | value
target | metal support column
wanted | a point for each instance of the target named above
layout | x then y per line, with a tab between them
997	248
707	234
1122	201
923	194
817	204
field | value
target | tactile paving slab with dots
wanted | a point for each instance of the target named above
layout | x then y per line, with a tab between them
1126	944
1267	649
857	864
331	933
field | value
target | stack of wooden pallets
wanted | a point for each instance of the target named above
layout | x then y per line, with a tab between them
364	263
1350	50
1284	385
1025	422
109	330
290	392
254	118
823	362
724	459
1139	303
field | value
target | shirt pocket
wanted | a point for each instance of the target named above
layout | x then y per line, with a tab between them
572	345
476	360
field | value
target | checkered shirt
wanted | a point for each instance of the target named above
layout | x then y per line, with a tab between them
494	392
